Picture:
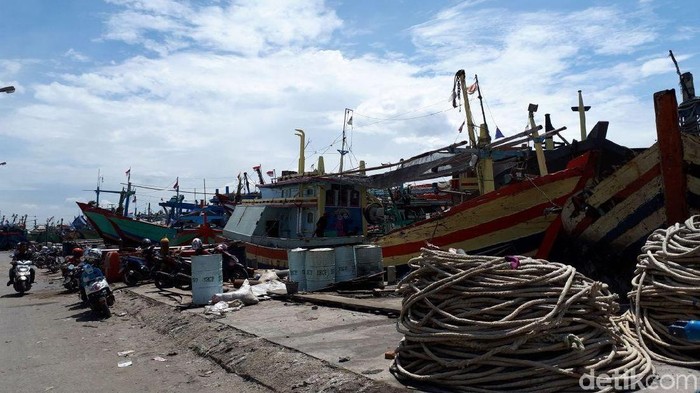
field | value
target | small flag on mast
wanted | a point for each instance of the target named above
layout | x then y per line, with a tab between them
177	185
471	89
128	172
499	134
462	126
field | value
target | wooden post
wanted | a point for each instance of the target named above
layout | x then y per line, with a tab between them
671	156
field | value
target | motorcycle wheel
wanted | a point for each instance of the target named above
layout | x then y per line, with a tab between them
106	312
239	273
162	283
130	279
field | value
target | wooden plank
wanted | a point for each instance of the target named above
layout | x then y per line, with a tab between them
615	216
671	156
623	177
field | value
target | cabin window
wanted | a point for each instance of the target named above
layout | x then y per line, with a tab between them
309	192
354	198
309	218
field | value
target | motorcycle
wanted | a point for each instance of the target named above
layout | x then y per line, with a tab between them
134	269
96	292
232	268
22	281
71	277
175	272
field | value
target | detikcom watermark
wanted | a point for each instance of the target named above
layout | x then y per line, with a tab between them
620	382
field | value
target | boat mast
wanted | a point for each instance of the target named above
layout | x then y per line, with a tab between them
97	202
347	120
541	162
461	84
486	181
581	109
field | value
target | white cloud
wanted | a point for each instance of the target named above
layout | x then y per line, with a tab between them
212	90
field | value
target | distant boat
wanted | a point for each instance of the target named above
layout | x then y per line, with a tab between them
117	229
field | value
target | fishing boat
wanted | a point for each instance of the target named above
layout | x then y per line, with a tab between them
499	208
118	229
656	188
12	232
300	209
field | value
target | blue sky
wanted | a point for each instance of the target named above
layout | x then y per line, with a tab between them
207	89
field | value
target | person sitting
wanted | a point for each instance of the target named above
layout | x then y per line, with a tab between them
198	247
22	254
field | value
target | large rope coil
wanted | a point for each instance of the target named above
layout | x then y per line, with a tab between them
666	289
494	324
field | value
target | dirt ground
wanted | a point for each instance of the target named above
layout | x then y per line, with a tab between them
253	358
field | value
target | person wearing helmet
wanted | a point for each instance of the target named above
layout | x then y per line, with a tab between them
147	250
164	247
198	247
22	254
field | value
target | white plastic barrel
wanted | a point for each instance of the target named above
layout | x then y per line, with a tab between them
368	258
320	268
345	268
297	265
207	279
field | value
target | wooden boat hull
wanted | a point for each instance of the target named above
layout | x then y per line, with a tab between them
511	220
100	223
621	211
116	229
514	219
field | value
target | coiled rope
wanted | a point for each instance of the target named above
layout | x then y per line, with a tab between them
666	289
494	324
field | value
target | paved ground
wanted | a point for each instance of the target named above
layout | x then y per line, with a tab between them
277	345
48	343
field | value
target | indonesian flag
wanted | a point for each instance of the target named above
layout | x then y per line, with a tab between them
177	181
270	173
256	168
471	89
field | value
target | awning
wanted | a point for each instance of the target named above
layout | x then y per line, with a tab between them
243	222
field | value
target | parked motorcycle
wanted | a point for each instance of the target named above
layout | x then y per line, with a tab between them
174	272
96	291
22	281
134	269
71	277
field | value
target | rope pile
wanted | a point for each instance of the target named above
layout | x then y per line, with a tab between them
494	324
666	289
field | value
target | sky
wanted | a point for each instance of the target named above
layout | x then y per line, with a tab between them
200	91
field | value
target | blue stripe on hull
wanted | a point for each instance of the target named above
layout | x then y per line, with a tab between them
637	216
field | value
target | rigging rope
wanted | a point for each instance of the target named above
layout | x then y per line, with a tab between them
666	289
492	324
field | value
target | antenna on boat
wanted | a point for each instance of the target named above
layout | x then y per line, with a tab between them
581	109
347	121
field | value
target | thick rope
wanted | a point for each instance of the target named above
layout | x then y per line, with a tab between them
666	289
494	324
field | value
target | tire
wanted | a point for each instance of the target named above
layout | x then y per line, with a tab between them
239	273
104	309
162	283
130	279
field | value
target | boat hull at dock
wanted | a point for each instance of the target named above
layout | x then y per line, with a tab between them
522	218
623	209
